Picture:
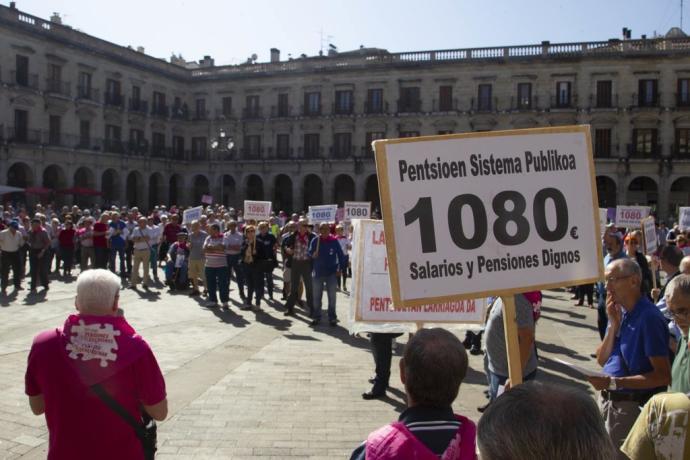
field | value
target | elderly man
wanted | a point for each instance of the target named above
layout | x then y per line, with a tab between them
11	241
296	247
543	422
678	301
96	357
669	262
39	245
329	262
634	352
613	242
141	237
432	368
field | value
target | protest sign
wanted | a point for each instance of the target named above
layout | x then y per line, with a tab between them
357	210
684	218
631	216
322	213
491	213
649	233
602	219
340	215
190	215
370	297
257	210
207	199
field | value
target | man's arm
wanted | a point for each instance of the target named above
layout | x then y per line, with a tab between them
158	411
659	377
38	404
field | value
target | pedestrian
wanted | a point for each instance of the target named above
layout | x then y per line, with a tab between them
678	302
197	238
632	250
265	259
233	246
613	243
85	238
156	232
66	238
141	253
101	242
252	273
79	375
117	237
296	246
382	352
11	241
329	262
345	246
39	245
216	268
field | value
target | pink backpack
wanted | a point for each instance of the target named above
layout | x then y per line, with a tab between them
395	441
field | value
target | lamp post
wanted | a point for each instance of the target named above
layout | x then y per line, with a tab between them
223	144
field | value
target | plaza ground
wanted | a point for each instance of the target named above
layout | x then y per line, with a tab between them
258	385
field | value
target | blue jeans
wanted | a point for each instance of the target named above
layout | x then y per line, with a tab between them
496	380
153	260
217	280
331	282
121	253
234	266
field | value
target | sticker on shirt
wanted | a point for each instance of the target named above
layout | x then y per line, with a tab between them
95	341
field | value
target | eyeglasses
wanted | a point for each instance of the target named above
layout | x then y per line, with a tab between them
613	279
681	313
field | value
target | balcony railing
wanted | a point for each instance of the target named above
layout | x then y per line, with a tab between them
224	114
200	115
310	153
88	93
138	147
160	111
645	100
342	153
449	105
249	113
178	112
652	152
278	111
564	103
682	100
114	100
138	106
484	104
524	103
251	154
199	155
113	146
343	109
310	111
603	102
284	153
26	80
681	152
22	135
409	106
161	151
371	108
54	86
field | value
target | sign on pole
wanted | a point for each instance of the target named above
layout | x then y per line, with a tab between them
357	210
684	218
631	216
371	293
491	213
322	213
649	233
602	219
257	210
190	215
207	199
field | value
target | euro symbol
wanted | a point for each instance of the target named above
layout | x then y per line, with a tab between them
573	233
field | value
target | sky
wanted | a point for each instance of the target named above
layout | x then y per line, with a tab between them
231	31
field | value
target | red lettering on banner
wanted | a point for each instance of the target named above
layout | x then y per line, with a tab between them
385	264
379	303
378	239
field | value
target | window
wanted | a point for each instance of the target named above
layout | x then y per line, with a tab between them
54	123
113	138
178	146
409	100
54	81
604	94
371	137
648	93
602	143
84	88
227	106
563	95
21	125
374	101
644	142
85	134
159	107
312	103
484	102
683	96
683	141
409	133
113	93
283	107
137	143
342	145
252	146
252	108
198	148
445	98
524	96
136	93
200	109
22	72
312	145
343	102
283	145
157	144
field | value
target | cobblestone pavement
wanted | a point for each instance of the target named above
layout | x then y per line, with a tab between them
256	385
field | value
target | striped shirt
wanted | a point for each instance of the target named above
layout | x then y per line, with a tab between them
215	259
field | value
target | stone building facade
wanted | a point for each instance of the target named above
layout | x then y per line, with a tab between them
79	112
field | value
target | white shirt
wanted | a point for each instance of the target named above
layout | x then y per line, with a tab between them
156	232
141	232
10	242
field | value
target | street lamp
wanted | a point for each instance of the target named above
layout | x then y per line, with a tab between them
223	144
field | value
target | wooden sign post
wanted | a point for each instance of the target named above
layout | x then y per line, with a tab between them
512	343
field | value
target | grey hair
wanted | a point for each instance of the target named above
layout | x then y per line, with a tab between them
534	421
678	286
628	267
685	265
96	291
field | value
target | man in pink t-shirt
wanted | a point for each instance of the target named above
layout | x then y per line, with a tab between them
95	346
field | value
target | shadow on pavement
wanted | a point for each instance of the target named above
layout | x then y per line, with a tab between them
264	317
147	294
568	312
229	317
301	337
6	300
559	350
343	335
549	370
32	298
569	323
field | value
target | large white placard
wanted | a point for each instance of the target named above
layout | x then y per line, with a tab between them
684	218
631	216
322	213
357	210
649	232
257	210
493	213
192	214
371	291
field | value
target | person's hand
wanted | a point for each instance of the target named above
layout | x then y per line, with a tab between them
600	383
507	386
613	311
289	251
655	294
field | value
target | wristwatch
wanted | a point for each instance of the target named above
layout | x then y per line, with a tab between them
613	384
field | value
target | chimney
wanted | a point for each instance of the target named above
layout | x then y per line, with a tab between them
13	5
55	18
140	49
207	61
275	55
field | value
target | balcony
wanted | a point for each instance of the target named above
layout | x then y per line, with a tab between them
342	153
161	151
159	111
252	113
87	143
284	153
59	87
200	115
138	106
178	154
114	100
484	104
563	102
409	106
24	80
375	107
312	153
138	147
524	104
682	101
645	101
251	154
281	111
343	109
178	112
87	93
681	152
367	152
224	114
311	110
446	105
199	155
23	135
601	102
651	152
113	146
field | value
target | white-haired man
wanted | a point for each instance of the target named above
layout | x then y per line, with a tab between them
96	352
